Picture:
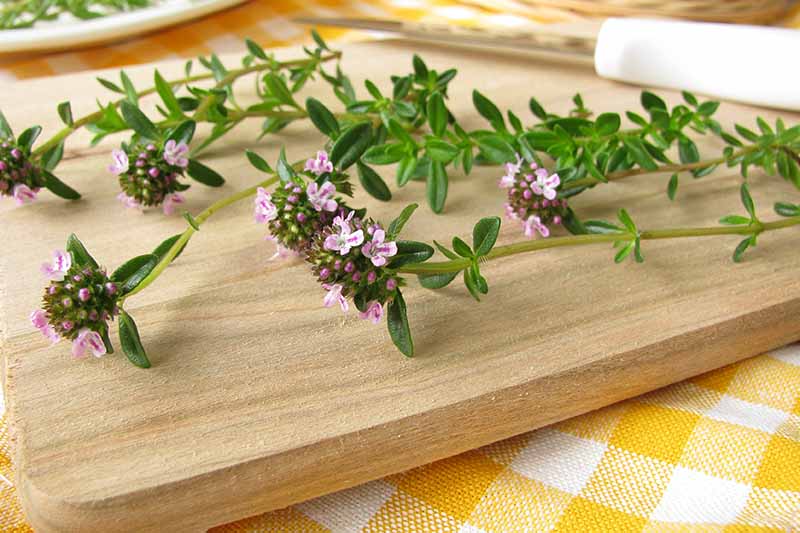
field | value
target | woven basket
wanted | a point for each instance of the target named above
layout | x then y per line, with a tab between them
740	11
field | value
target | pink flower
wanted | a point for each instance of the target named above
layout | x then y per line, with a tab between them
335	295
281	251
24	194
545	185
320	165
119	162
510	213
535	223
265	209
40	322
320	196
374	312
57	270
128	201
175	153
171	201
88	340
378	250
346	238
512	169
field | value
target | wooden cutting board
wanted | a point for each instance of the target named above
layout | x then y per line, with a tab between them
260	398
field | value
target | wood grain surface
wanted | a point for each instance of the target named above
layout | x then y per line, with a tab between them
259	397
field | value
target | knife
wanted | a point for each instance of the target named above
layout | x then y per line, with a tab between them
749	64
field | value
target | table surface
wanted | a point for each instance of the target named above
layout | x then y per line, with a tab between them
722	405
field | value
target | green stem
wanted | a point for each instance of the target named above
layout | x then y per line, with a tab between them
457	265
187	234
232	76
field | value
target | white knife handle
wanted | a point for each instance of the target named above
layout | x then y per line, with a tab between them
750	64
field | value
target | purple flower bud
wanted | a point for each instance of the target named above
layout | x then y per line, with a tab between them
151	147
67	325
292	199
337	265
371	276
556	219
111	288
153	172
66	302
140	163
51	290
356	277
84	294
527	194
391	284
324	273
301	217
3	185
545	203
3	166
93	315
16	153
349	267
77	278
297	190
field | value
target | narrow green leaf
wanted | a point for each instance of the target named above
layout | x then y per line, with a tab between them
672	186
441	151
462	248
607	124
734	220
277	87
687	150
384	154
255	49
436	281
191	220
626	220
397	322
624	252
537	109
373	183
80	256
496	149
437	114
437	186
258	162
471	282
650	101
488	110
285	171
52	157
405	170
396	226
184	132
133	271
59	188
28	137
640	154
708	108
747	201
203	174
785	209
322	118
111	86
319	40
741	248
166	245
139	122
410	252
351	144
602	227
420	68
484	235
130	341
167	95
65	112
689	98
443	249
130	90
5	127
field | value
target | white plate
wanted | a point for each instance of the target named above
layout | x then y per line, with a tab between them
72	34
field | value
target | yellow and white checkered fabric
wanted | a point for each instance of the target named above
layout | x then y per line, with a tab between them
717	453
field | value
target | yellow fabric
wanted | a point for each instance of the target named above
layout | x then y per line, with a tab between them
720	452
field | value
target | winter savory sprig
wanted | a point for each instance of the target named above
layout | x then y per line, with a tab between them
17	14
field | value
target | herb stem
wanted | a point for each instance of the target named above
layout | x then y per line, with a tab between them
187	234
457	265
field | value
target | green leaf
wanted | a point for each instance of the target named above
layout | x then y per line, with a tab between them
384	154
484	235
285	171
650	101
131	273
708	108
130	341
373	183
397	322
472	284
138	122
322	118
59	188
166	245
640	154
396	226
199	172
130	90
496	149
436	186
437	114
441	151
111	86
689	98
488	110
405	170
637	250
319	40
537	109
687	150
191	220
410	252
28	137
746	133
351	144
785	209
738	253
626	220
255	49
747	201
65	112
80	256
602	227
436	281
258	162
462	248
734	220
607	124
183	132
278	88
420	69
624	252
52	157
672	186
167	95
5	127
443	249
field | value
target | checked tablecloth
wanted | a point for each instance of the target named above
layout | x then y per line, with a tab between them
716	453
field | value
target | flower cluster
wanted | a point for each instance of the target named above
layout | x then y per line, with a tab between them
152	178
532	198
77	305
19	176
347	253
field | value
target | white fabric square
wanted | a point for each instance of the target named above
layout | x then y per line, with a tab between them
788	354
467	528
280	28
348	511
558	459
697	498
752	415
